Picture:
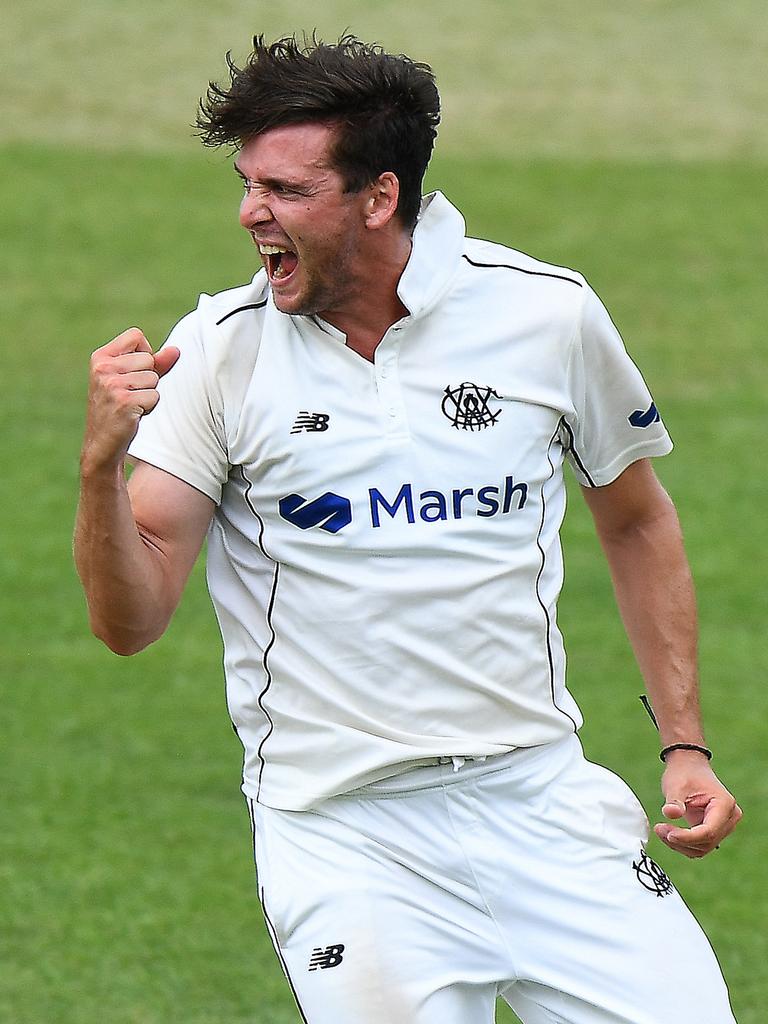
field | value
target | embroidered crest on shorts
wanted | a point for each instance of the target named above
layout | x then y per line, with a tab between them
467	406
321	958
651	876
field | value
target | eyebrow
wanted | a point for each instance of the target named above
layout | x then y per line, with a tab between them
297	183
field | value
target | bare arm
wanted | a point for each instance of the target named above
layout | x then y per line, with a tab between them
136	543
640	533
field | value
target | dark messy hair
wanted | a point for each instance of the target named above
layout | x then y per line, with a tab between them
386	108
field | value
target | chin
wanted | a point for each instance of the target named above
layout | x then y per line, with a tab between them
296	305
285	303
292	307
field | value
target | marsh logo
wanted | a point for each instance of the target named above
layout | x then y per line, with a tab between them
437	506
332	512
644	418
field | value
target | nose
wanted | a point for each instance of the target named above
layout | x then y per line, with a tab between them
254	209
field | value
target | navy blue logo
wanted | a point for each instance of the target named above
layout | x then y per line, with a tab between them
330	511
645	419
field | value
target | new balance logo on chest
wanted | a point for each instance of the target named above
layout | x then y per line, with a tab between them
311	422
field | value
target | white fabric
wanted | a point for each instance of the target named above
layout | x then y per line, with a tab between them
425	627
423	899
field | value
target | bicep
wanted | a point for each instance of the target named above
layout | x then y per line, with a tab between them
172	518
634	499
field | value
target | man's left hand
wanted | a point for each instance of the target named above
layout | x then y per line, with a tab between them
692	791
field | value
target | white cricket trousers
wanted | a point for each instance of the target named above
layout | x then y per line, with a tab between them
421	899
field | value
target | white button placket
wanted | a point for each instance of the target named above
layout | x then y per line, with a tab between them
387	375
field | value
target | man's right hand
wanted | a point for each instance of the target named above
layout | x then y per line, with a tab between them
122	389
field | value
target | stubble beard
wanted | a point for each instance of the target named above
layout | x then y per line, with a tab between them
319	295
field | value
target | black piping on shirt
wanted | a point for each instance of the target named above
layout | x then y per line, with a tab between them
521	270
576	457
251	305
547	618
270	608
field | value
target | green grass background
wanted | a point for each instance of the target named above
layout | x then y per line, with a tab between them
628	140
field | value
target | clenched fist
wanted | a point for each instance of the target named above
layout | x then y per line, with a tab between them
122	389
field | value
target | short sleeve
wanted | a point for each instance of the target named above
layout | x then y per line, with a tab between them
184	434
615	420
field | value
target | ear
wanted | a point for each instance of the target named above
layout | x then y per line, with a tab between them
381	204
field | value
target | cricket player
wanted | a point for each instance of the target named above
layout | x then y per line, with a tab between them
372	435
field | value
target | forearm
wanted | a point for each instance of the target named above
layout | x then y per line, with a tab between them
655	594
121	571
640	533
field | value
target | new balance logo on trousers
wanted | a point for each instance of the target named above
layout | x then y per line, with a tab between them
321	958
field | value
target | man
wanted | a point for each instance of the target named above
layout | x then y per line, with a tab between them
372	435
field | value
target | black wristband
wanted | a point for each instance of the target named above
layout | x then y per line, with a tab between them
685	746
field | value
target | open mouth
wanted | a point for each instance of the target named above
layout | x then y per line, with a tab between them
279	262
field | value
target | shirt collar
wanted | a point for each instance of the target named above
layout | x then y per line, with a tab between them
438	242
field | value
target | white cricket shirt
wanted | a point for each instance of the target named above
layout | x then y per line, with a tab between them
384	559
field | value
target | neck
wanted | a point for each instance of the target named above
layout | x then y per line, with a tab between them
367	319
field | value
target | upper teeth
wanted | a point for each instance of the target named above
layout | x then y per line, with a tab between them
270	250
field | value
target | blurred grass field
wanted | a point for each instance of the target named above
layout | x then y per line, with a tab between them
629	141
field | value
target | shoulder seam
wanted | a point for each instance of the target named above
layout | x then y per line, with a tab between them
240	309
522	270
